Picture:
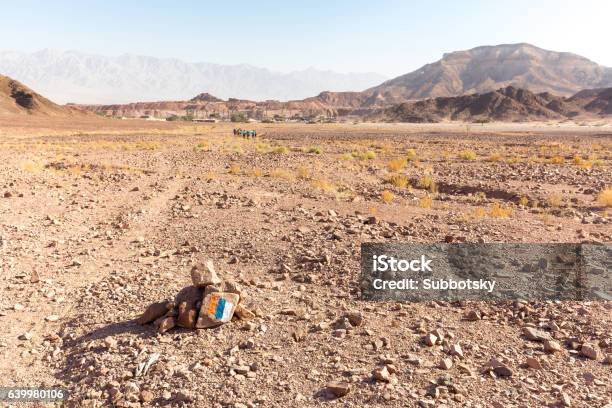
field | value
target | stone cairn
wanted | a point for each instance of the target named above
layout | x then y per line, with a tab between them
208	303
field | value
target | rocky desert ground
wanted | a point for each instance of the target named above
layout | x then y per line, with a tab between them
97	224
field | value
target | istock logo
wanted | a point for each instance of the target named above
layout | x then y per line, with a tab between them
384	263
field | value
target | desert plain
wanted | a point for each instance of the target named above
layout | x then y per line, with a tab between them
100	218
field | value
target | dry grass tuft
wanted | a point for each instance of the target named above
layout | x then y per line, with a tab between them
411	155
280	150
426	202
282	174
256	172
524	201
554	200
303	173
323	185
467	155
315	150
498	210
387	196
494	157
557	160
397	164
234	169
398	180
604	198
427	183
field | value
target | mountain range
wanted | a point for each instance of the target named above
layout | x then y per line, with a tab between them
71	76
487	68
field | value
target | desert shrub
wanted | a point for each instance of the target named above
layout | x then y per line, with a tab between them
303	173
524	201
387	196
315	150
557	160
479	212
281	174
234	169
398	180
411	155
554	200
498	210
256	172
203	145
467	155
425	202
604	198
280	150
396	165
211	175
578	160
323	184
427	183
494	157
367	155
346	156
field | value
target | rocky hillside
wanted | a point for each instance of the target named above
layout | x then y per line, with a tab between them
597	101
507	104
484	69
16	98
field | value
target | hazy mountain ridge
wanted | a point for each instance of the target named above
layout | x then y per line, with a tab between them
71	76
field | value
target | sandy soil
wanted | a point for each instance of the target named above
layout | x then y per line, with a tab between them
95	225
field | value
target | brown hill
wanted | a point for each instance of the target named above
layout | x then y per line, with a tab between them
16	98
597	101
508	104
484	69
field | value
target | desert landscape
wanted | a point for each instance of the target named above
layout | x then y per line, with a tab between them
97	225
185	229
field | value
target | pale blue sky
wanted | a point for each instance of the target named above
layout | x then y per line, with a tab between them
391	37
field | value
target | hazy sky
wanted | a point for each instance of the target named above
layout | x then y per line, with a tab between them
385	36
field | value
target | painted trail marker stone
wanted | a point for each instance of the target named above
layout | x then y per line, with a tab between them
217	308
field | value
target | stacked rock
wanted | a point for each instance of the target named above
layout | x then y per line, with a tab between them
208	303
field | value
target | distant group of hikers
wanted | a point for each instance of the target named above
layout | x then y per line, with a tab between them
245	133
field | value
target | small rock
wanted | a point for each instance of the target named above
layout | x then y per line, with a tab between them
534	363
243	313
338	389
381	374
52	318
588	351
472	316
446	364
164	324
503	371
551	346
153	312
535	334
608	359
203	274
456	350
431	339
565	400
146	396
